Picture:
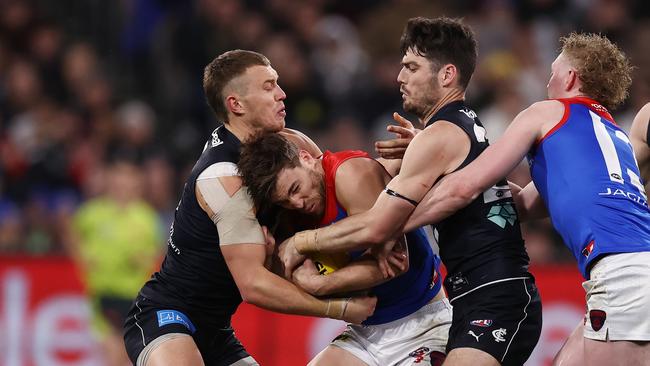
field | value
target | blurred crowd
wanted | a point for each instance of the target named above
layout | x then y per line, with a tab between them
98	98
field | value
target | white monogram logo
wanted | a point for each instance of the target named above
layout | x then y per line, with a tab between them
498	335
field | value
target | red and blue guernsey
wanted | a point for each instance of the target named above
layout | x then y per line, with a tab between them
404	294
585	171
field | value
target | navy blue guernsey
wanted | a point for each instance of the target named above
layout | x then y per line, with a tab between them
194	276
483	239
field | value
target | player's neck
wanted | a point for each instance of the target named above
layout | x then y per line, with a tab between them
241	130
452	96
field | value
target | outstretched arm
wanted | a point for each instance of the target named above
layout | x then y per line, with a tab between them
358	183
457	190
361	274
433	152
244	249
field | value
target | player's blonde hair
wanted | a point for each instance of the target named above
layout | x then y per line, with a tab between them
603	69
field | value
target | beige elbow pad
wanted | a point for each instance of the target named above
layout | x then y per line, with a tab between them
237	223
234	216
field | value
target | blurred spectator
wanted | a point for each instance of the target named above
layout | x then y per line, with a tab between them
306	103
115	239
11	231
134	132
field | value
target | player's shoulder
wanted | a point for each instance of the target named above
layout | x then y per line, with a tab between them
359	166
301	140
546	107
644	114
645	108
641	125
444	132
544	112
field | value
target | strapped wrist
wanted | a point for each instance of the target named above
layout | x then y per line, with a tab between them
336	308
306	242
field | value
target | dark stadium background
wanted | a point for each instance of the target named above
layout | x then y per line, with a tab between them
85	83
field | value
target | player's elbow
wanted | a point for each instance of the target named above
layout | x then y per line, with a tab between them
376	234
247	293
251	290
252	294
464	192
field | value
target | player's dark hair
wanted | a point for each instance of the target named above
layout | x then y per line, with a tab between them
224	68
262	158
442	41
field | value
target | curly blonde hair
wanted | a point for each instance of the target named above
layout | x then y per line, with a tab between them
603	69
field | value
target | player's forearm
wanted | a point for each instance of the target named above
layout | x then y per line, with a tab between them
268	291
353	233
442	201
358	275
392	166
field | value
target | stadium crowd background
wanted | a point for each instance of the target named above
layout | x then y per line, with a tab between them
87	84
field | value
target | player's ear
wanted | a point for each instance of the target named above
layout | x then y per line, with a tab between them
572	78
305	157
447	74
234	105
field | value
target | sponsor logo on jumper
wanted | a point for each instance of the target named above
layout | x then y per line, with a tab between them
216	141
468	112
471	332
598	107
496	193
481	322
502	214
170	240
480	133
498	335
629	195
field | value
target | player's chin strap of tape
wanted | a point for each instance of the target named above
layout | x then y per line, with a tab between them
336	308
390	192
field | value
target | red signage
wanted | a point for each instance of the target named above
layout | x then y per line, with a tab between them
45	316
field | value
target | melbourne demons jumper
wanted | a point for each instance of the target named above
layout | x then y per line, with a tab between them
496	304
193	292
407	324
585	171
